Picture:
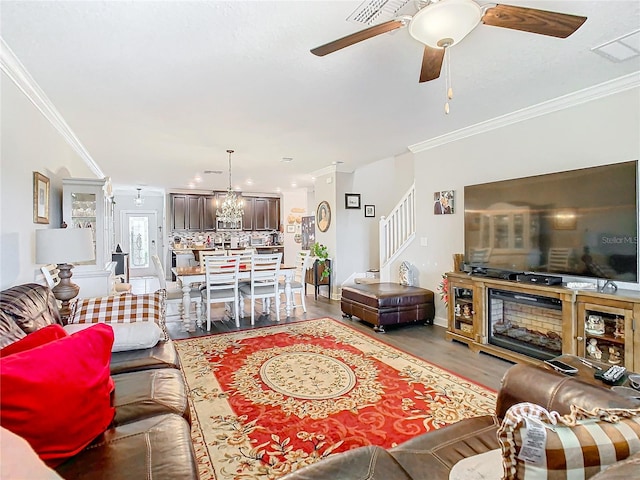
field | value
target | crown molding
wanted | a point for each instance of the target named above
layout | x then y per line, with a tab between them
13	68
605	89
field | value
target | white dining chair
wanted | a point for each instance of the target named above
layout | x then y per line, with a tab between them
244	257
175	294
204	253
221	284
265	270
297	284
50	274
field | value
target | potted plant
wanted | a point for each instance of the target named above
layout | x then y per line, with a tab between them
322	254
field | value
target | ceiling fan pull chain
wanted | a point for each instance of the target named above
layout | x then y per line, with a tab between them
447	78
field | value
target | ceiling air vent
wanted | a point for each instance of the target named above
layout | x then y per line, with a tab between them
376	11
621	49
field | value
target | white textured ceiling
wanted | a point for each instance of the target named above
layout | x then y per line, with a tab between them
158	91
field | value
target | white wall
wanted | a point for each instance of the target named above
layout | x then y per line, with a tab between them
325	190
29	143
599	132
292	202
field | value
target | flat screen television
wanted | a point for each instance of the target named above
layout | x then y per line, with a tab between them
577	223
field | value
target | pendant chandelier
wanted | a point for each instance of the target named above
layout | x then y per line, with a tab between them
230	212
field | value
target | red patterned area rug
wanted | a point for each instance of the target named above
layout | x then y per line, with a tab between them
272	400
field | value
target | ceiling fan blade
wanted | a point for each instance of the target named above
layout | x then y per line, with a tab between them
365	34
431	63
532	20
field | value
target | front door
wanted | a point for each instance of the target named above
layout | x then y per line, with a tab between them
140	238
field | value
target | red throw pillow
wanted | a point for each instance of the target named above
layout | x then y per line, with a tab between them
58	396
39	337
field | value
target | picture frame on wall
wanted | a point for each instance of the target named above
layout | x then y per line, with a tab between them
565	219
40	198
369	210
443	202
352	200
291	229
323	216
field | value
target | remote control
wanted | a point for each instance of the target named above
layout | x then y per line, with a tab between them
613	374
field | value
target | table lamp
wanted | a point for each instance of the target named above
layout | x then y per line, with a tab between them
64	246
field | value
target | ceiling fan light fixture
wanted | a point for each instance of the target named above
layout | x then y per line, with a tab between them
445	23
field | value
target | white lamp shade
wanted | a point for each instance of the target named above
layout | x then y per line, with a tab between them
64	245
447	19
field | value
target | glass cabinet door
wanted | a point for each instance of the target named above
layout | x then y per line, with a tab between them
463	311
602	330
83	215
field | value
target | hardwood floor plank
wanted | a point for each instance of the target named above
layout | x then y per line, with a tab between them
424	341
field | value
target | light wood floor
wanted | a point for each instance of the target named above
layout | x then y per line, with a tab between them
426	342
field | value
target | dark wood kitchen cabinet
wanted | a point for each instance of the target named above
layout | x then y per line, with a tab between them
197	213
186	212
247	213
209	213
261	213
178	212
273	213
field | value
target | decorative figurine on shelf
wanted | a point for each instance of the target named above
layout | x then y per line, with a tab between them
595	325
614	356
466	310
619	332
592	349
457	309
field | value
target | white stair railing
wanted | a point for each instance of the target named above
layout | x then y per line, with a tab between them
397	230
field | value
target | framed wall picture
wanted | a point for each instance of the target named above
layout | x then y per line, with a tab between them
40	198
369	210
565	219
291	229
443	202
351	200
323	216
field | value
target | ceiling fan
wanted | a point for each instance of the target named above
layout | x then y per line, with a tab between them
443	23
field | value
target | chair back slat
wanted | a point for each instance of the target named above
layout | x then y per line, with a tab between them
265	268
244	256
50	274
157	264
301	259
205	253
221	272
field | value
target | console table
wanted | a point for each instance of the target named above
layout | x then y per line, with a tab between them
313	277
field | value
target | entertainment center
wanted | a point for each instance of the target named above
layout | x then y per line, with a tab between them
524	322
523	237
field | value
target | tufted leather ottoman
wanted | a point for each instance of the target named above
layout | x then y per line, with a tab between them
383	304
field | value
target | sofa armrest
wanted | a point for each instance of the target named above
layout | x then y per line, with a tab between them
554	391
370	462
163	355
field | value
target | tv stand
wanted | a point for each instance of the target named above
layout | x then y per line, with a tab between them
618	313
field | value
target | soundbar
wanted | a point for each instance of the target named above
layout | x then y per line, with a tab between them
540	279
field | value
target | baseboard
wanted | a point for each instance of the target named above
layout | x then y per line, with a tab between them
441	322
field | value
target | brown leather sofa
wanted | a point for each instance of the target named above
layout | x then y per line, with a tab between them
432	455
150	435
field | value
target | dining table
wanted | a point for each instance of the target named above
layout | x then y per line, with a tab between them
187	276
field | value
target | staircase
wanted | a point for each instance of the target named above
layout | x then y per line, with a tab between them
397	230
